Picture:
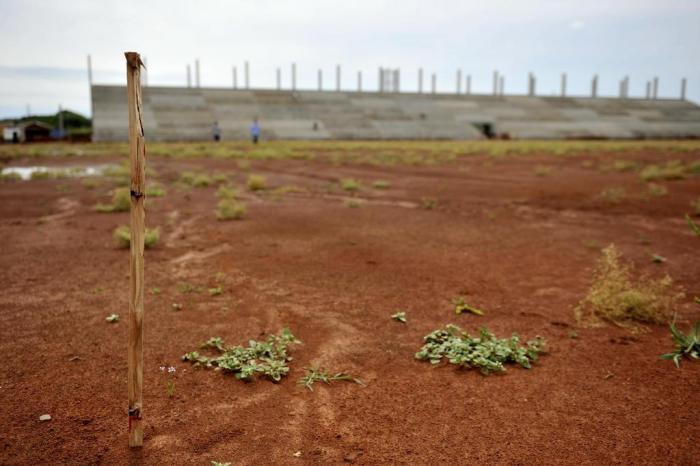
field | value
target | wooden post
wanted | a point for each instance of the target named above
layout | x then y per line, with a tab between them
137	151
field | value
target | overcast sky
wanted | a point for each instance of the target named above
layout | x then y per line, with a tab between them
45	44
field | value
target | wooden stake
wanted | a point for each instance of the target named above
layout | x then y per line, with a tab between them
137	150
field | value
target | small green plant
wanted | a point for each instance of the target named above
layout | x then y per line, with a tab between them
315	374
219	463
10	176
187	288
657	259
196	180
122	236
256	182
349	184
112	318
428	203
617	298
352	203
155	290
121	202
485	352
268	357
693	226
624	165
381	184
228	209
90	183
686	345
226	192
657	190
216	291
170	384
220	178
613	195
461	307
673	170
696	206
543	170
399	317
155	190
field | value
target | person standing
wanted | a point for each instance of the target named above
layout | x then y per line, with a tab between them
255	131
216	131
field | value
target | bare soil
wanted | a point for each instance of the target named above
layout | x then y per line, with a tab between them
519	246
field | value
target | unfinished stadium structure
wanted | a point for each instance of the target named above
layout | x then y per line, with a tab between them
187	114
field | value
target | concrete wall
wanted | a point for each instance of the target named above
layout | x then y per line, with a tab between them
181	114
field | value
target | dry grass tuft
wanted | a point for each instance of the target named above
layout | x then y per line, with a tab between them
617	298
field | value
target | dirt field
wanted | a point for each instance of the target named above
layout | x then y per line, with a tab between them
517	234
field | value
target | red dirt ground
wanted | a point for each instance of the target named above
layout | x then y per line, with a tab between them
521	247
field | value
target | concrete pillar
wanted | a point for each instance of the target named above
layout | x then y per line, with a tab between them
469	84
459	81
420	80
495	83
235	77
189	75
397	80
531	85
648	90
380	86
501	85
279	79
655	88
684	84
337	78
594	86
359	81
433	84
622	89
563	84
196	73
246	74
294	76
89	70
320	79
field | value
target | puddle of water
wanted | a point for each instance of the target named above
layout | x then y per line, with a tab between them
39	172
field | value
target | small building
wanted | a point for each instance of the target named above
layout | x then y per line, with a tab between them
28	131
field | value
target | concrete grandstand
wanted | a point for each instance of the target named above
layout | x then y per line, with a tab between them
186	114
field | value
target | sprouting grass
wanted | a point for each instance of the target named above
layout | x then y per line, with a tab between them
696	206
461	307
90	183
315	374
195	180
121	202
187	288
616	297
256	182
228	209
155	190
349	184
485	352
686	345
122	236
624	165
543	170
226	192
399	317
672	170
216	291
694	227
220	178
112	318
352	203
155	290
613	195
657	190
268	358
10	176
381	184
428	203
